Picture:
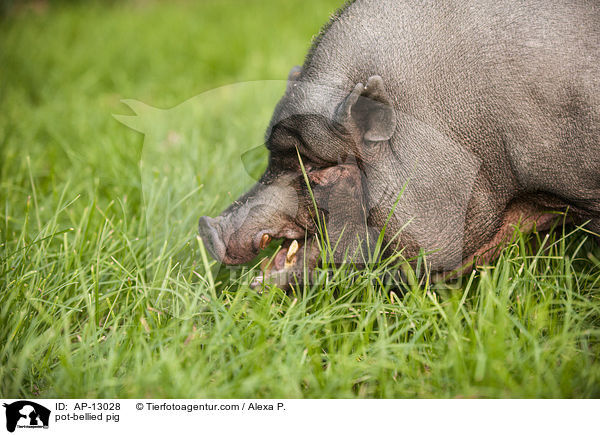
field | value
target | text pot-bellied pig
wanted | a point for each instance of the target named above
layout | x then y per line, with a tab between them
443	123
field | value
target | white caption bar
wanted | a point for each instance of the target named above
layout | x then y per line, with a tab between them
150	416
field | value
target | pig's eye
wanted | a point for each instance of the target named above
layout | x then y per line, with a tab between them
326	176
306	164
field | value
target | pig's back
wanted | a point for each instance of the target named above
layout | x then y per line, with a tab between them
517	83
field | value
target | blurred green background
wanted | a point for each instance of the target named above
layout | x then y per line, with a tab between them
66	66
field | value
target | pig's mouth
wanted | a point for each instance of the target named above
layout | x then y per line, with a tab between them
292	263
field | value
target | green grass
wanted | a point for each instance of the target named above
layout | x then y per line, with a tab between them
106	292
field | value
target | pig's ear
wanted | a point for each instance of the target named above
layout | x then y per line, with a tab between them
369	108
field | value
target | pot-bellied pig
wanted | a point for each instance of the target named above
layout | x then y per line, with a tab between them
444	122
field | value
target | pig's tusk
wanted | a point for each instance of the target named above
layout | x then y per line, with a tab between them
264	241
291	253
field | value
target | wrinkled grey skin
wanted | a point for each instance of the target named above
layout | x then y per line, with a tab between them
486	112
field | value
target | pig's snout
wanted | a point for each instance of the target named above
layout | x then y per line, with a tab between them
210	232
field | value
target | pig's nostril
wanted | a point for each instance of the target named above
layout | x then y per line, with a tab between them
209	232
